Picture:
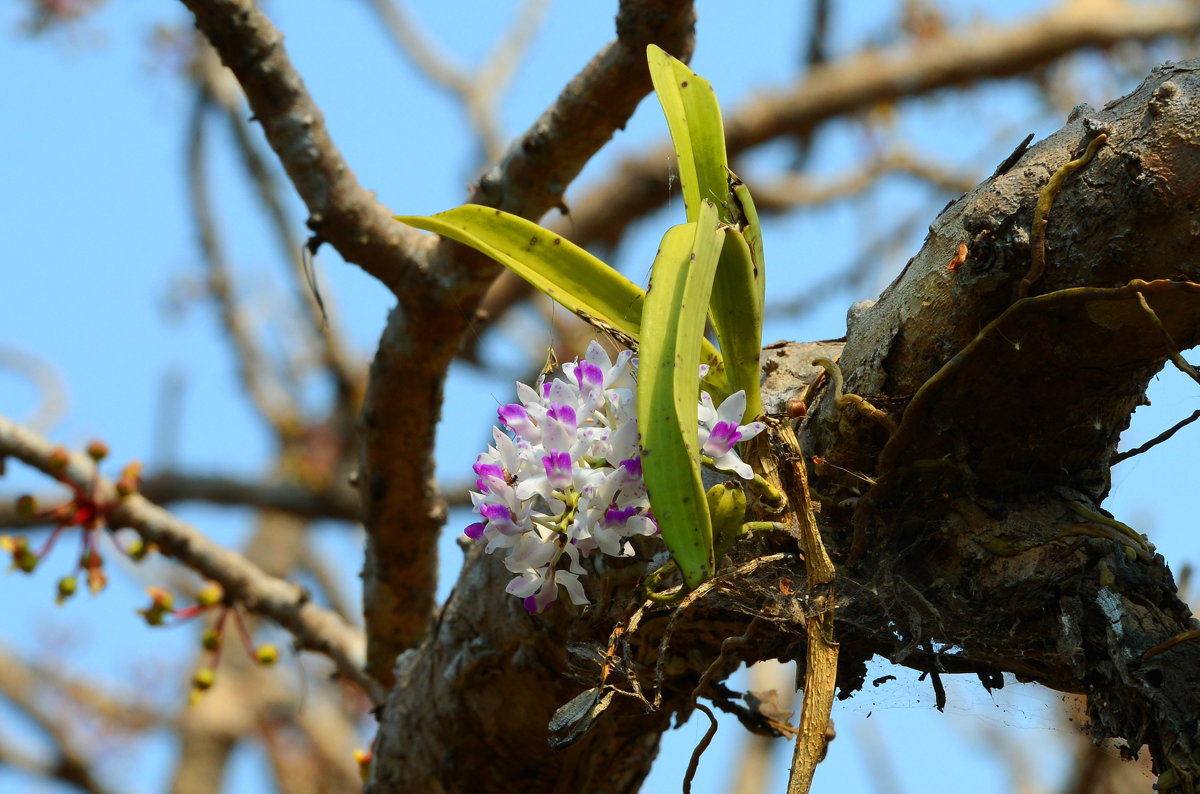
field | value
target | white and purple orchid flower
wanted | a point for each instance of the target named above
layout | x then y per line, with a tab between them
568	481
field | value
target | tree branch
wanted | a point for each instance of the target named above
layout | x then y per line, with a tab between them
266	391
45	379
534	174
480	89
314	628
171	487
341	211
70	764
327	336
257	705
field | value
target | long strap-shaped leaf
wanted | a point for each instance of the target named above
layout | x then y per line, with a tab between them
698	135
737	318
694	118
668	384
556	266
752	231
553	264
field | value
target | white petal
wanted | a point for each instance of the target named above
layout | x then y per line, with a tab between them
731	462
570	583
705	413
524	585
732	409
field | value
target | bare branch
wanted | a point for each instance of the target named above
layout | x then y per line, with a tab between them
815	53
171	487
795	190
341	211
265	706
323	328
415	43
321	571
18	684
480	89
498	68
123	712
1160	438
535	172
874	251
268	393
314	628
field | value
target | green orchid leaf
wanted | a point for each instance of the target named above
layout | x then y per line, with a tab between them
743	206
736	312
668	388
697	133
556	266
587	286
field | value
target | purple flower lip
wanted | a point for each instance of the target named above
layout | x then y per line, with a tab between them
474	531
562	413
724	436
512	412
501	518
487	471
495	512
588	376
619	516
558	468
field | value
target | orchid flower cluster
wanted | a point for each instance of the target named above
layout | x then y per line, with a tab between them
568	480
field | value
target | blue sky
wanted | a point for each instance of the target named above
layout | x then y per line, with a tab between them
92	189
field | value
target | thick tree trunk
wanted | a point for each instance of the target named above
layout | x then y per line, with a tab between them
974	528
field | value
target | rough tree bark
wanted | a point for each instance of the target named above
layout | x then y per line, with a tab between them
970	540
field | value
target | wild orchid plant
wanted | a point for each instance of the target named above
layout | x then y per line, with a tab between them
613	449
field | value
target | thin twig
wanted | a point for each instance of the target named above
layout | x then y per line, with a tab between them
794	190
324	326
269	395
326	335
172	487
1160	438
479	89
70	764
314	628
322	573
123	712
815	53
853	275
341	211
